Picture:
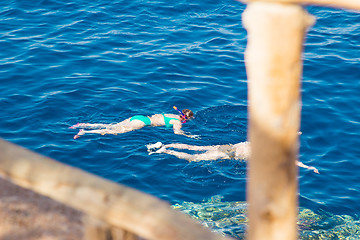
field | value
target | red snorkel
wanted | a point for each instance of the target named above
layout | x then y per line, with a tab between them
182	114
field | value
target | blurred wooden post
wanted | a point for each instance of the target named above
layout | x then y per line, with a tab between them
274	67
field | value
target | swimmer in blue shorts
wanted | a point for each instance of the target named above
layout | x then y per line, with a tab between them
139	121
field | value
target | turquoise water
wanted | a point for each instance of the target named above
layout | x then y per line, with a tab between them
64	62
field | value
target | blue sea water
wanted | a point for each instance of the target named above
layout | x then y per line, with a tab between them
64	62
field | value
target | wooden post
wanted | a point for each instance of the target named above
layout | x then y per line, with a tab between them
274	67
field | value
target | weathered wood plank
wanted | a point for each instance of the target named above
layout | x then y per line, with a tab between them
274	67
116	205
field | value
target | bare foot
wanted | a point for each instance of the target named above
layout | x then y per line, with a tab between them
81	132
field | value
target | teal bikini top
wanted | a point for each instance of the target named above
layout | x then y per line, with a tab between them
167	121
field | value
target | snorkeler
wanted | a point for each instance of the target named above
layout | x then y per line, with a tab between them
139	121
239	151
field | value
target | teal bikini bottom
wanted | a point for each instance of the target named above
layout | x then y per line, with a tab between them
144	119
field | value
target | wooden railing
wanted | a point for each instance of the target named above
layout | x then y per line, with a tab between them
276	31
113	211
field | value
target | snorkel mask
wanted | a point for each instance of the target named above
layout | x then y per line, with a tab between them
182	114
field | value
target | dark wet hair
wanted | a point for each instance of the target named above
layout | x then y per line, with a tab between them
188	113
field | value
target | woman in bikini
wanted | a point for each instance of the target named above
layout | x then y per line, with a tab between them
137	122
239	151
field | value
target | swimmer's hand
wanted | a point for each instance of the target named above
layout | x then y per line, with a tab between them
300	164
156	148
195	136
154	145
315	170
180	132
191	136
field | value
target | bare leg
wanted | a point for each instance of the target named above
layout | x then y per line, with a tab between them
90	125
101	131
123	127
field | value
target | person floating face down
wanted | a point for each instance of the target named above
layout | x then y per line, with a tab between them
239	151
139	121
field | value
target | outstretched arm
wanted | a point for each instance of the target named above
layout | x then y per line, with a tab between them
300	164
177	130
190	147
206	156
